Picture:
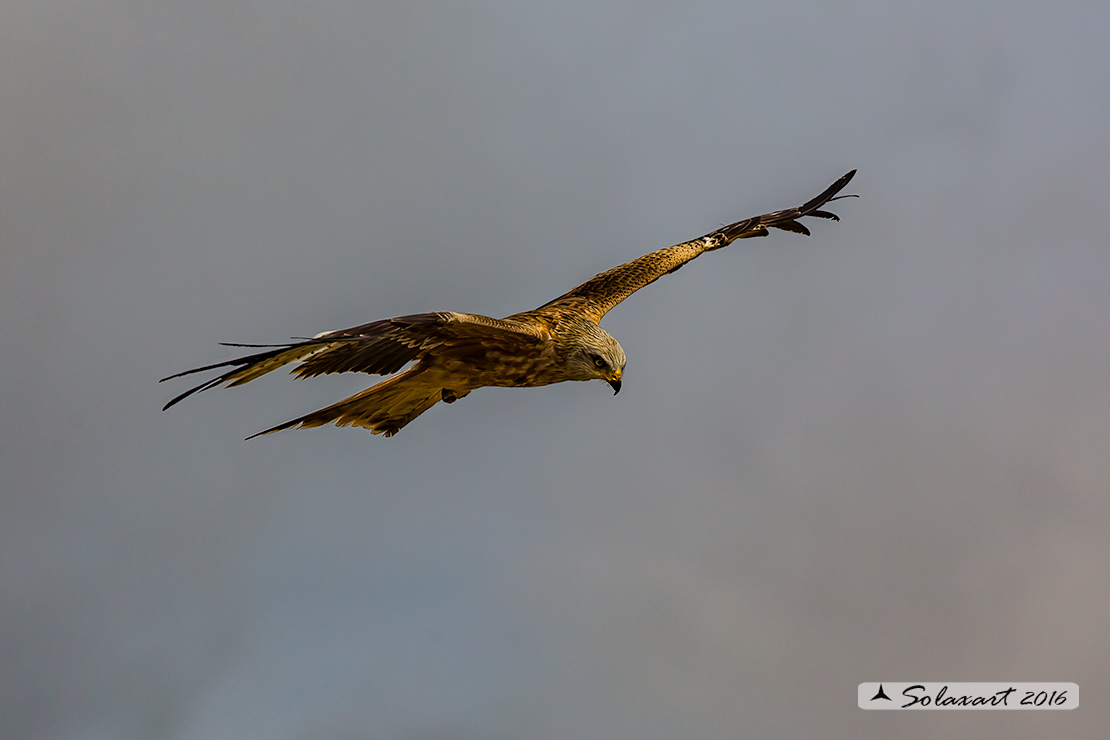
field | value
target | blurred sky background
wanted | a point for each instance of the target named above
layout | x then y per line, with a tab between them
878	453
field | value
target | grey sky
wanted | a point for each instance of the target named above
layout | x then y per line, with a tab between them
876	453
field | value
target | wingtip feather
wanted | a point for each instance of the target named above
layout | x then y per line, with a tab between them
202	387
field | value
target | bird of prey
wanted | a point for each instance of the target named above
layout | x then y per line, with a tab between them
451	353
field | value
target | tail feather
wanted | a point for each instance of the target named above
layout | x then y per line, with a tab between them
383	408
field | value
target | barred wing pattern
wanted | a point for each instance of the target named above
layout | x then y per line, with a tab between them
598	295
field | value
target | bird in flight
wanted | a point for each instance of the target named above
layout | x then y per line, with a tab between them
454	353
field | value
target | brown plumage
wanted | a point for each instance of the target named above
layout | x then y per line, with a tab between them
454	353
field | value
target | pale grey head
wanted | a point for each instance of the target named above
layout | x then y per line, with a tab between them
594	353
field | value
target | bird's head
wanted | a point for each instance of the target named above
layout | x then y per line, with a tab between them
597	355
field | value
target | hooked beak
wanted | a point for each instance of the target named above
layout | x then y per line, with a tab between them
615	382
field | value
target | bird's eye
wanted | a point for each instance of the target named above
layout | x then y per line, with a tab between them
598	361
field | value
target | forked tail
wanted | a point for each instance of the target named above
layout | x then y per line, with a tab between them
383	409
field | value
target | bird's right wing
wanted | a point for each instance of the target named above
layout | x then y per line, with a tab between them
379	348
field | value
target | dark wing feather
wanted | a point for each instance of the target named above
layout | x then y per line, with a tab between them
601	293
379	348
246	369
384	347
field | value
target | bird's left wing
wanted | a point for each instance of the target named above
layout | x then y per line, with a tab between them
379	348
595	297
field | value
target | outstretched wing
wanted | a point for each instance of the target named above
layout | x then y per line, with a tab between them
595	297
379	348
